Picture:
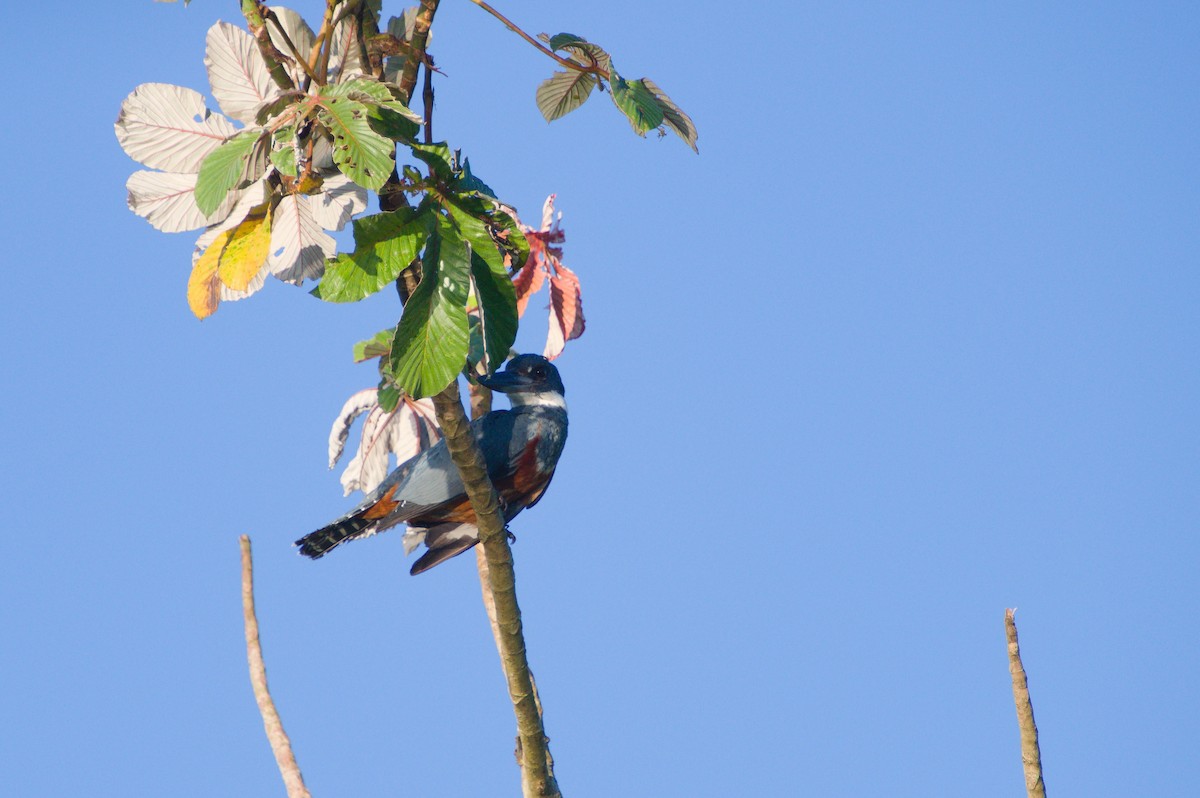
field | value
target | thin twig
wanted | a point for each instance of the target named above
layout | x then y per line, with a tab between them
427	99
325	33
594	68
1031	755
281	746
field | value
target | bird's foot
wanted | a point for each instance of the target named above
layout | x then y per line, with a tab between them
511	537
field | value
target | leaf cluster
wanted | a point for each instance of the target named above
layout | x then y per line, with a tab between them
645	105
463	242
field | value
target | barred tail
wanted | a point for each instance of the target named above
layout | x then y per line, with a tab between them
316	544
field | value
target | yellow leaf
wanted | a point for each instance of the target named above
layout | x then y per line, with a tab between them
245	250
204	286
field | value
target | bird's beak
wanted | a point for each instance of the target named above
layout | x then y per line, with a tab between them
505	382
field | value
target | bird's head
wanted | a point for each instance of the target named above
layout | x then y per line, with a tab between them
528	380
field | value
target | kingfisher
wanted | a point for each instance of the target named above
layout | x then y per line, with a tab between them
520	446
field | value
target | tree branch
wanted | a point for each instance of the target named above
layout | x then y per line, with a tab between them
536	777
481	405
1031	755
281	746
301	61
254	12
594	69
420	38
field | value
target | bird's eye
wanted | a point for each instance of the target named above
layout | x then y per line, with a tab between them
539	373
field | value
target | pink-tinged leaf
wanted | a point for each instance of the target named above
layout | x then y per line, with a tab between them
236	70
566	301
404	434
355	406
168	127
527	282
299	246
423	409
548	213
167	201
407	431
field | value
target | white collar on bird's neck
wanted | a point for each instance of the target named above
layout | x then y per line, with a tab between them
547	399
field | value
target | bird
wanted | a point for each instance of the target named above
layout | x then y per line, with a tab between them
521	447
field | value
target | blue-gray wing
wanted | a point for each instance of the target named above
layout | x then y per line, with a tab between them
431	478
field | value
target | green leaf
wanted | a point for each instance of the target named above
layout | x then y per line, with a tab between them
638	104
222	169
438	157
588	54
432	339
384	245
558	40
386	121
285	160
475	214
378	345
563	92
475	232
388	395
360	153
497	309
673	116
469	182
370	91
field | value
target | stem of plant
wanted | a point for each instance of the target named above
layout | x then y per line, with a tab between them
595	70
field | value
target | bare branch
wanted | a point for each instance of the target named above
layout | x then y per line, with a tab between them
1031	755
281	746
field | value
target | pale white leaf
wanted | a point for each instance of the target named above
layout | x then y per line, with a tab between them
555	341
322	155
168	127
239	76
355	406
407	431
345	56
369	465
548	213
298	31
167	201
339	200
402	28
299	246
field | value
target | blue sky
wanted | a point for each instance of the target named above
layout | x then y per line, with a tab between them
912	340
